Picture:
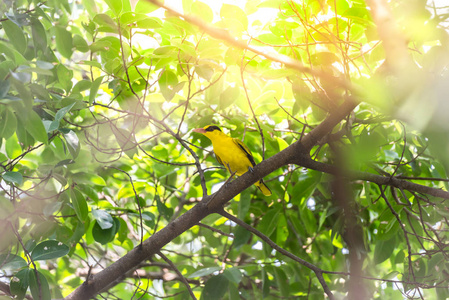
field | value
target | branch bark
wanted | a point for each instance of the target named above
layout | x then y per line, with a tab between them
297	153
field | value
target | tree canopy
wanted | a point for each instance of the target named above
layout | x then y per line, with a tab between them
107	193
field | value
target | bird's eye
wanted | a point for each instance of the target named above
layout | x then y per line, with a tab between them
212	128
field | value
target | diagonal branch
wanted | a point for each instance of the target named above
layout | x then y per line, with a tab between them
182	278
297	153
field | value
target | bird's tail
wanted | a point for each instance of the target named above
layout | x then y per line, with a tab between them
263	188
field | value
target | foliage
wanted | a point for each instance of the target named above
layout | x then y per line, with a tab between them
98	100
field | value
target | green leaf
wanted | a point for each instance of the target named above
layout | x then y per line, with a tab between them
391	275
80	43
14	55
39	36
383	250
25	139
65	76
215	288
38	285
94	89
308	219
19	284
269	222
13	177
167	82
233	275
44	65
115	5
203	11
149	23
145	7
105	21
52	207
104	236
15	35
149	219
324	58
33	125
63	111
79	204
229	96
126	140
23	77
162	208
11	261
131	17
49	249
266	283
164	51
37	71
204	71
8	123
272	39
88	178
241	237
4	88
64	41
244	203
234	13
12	147
104	219
81	85
58	117
204	272
73	143
282	282
305	187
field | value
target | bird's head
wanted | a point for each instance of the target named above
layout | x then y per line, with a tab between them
209	131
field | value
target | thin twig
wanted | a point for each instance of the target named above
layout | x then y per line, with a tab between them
174	268
318	272
137	200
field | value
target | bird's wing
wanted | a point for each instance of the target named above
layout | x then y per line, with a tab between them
219	159
245	149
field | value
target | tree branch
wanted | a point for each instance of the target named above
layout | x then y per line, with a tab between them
297	153
181	277
377	179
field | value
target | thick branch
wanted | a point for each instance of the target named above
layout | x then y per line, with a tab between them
295	153
164	275
378	179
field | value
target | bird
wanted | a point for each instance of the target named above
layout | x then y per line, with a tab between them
232	153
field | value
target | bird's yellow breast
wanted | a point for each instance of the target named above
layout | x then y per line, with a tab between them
231	155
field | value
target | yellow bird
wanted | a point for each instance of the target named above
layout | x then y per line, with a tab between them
232	154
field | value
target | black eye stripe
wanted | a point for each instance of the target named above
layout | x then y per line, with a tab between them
212	128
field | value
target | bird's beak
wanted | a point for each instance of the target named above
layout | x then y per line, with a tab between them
199	130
